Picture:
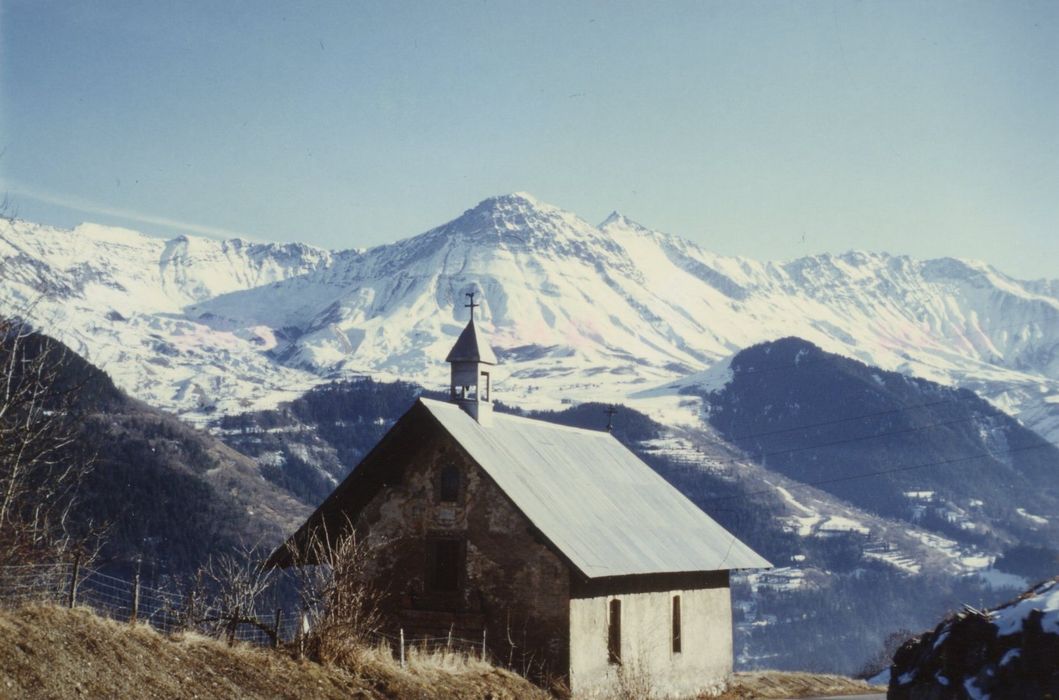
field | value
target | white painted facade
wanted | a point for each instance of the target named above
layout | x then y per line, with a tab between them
703	664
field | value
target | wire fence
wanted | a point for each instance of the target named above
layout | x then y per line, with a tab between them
70	584
73	585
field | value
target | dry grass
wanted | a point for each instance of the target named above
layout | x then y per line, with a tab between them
435	674
778	684
51	652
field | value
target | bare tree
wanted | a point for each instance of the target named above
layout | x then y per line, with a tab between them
231	589
42	462
338	593
239	581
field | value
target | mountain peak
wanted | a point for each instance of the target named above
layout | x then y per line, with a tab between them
518	201
524	196
618	220
517	212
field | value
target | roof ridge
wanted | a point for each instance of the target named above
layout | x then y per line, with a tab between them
515	417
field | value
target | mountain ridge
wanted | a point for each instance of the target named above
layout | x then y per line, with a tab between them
579	311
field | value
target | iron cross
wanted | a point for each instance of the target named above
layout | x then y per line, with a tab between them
471	305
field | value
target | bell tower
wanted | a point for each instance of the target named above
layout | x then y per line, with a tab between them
472	362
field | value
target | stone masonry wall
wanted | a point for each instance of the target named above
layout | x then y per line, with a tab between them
511	584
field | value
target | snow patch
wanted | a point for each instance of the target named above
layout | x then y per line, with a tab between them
1001	580
840	524
1036	519
1009	619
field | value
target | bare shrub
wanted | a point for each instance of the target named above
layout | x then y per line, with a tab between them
229	590
341	603
237	585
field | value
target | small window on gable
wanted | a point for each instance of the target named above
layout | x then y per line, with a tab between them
677	641
449	486
614	632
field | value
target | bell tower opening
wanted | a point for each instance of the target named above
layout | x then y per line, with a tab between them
471	360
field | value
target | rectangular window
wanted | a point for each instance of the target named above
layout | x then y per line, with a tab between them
614	632
449	484
484	381
676	625
445	561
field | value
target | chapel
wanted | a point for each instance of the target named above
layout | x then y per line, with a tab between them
562	549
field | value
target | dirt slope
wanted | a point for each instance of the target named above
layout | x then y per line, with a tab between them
50	652
780	684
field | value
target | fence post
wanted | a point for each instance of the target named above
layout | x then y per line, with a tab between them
191	603
135	598
232	626
449	642
483	644
303	624
402	647
275	627
74	580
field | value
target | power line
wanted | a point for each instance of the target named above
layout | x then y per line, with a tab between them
903	431
822	424
839	421
756	456
882	472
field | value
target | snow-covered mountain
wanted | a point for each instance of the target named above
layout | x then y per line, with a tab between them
575	311
117	297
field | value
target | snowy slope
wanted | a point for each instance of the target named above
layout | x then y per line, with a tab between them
116	297
575	311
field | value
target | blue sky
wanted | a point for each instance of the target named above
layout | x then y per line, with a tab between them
763	129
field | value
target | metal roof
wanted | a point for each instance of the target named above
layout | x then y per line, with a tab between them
471	347
600	505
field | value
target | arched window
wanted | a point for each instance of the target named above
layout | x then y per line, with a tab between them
449	486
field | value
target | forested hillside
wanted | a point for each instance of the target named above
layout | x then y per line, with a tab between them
156	487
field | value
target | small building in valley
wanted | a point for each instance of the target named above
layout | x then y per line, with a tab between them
573	557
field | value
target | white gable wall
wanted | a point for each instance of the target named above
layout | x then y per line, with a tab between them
705	661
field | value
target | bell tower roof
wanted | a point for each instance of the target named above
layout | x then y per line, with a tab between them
471	347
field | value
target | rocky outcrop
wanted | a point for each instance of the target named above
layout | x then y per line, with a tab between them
1009	652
